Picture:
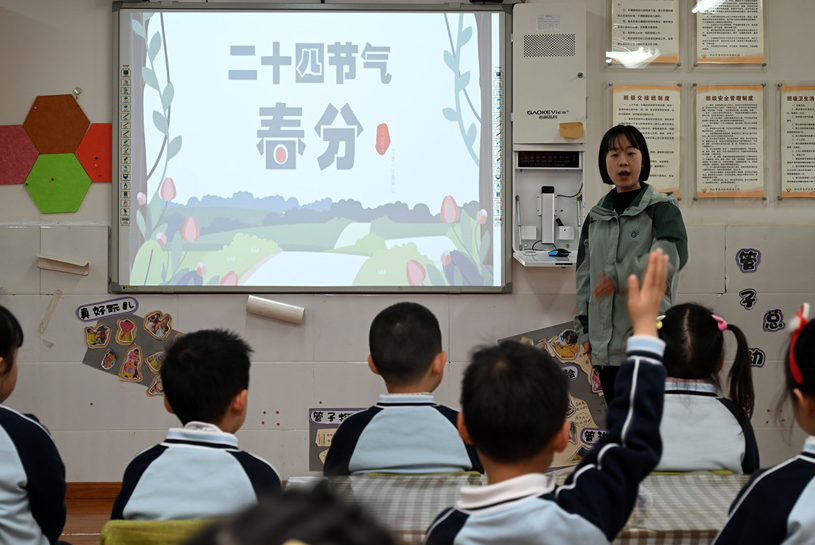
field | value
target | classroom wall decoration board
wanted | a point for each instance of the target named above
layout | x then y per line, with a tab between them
730	141
122	343
322	423
587	406
654	110
798	141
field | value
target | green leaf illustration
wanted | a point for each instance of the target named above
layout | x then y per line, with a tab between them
174	147
450	114
450	61
466	224
464	36
161	122
150	77
485	246
141	224
434	275
463	81
167	96
155	46
472	132
138	28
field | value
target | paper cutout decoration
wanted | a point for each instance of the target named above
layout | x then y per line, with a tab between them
56	124
130	371
155	359
95	152
57	183
156	388
17	154
158	324
109	360
125	331
97	337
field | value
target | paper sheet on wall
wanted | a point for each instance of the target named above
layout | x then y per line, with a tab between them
587	406
798	141
730	141
654	110
730	31
644	31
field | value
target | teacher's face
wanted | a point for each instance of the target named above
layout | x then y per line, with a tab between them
624	164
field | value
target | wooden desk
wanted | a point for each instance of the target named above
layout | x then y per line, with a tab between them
682	509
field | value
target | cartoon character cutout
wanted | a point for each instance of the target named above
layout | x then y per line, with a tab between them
131	367
573	433
158	324
572	408
97	337
125	331
565	345
156	387
154	360
109	360
596	387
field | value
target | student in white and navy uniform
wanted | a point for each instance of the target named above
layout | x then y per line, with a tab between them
514	399
32	475
406	431
776	505
198	471
702	430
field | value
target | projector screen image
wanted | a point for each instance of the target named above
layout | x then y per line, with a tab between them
310	149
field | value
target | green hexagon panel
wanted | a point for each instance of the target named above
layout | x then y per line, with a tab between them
57	183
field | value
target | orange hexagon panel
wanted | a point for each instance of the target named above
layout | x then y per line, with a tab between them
57	183
95	152
17	154
56	124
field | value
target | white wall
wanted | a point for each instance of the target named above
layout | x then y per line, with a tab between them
99	423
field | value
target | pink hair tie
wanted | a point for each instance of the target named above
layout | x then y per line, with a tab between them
797	324
722	323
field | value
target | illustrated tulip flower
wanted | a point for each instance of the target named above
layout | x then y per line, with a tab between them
445	257
189	232
481	216
167	189
229	279
141	197
415	273
449	210
161	238
201	270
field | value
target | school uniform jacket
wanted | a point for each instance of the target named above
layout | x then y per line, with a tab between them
617	245
197	472
700	431
402	433
32	482
776	506
594	503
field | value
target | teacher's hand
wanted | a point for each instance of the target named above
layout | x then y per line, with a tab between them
604	287
587	350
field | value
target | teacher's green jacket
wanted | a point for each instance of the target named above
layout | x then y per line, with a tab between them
618	246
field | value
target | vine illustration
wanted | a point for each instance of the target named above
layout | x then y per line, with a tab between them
149	221
452	59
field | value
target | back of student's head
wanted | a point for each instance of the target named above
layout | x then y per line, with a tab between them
514	399
611	140
799	360
315	517
404	338
694	350
11	338
203	371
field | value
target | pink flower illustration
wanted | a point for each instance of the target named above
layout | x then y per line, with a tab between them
481	216
445	257
202	269
229	279
167	189
415	273
161	238
189	232
449	210
141	197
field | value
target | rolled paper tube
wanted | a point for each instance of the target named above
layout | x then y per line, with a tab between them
275	309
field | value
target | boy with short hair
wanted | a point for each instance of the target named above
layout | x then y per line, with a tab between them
514	399
406	431
198	471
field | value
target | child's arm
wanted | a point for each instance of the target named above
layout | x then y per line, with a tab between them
603	488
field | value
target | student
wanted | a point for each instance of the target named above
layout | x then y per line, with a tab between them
32	475
198	471
630	221
406	431
297	518
514	399
700	430
776	505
